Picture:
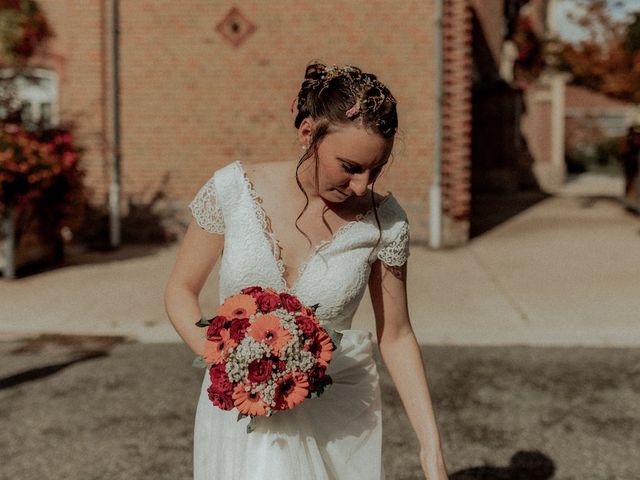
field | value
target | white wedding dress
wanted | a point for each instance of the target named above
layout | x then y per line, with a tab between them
337	435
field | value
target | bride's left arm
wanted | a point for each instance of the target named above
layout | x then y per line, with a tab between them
401	354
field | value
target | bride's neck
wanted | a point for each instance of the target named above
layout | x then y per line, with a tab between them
307	177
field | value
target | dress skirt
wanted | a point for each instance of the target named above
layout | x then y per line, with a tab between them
336	436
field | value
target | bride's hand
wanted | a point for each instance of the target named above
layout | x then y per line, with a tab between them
433	466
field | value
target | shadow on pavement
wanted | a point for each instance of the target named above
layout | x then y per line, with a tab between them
57	352
488	210
41	372
524	465
77	255
588	201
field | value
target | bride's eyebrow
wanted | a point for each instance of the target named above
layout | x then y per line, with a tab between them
349	161
356	164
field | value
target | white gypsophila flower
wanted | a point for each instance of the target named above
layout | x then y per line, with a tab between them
293	329
268	394
307	360
246	352
291	351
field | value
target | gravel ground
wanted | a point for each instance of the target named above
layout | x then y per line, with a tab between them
83	408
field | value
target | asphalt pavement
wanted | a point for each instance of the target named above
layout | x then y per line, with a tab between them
91	409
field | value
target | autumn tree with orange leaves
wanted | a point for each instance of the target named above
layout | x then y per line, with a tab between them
608	60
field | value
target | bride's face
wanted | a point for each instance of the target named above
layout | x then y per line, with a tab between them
349	160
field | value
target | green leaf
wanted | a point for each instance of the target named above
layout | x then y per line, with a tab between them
241	416
336	337
251	425
321	386
203	322
199	362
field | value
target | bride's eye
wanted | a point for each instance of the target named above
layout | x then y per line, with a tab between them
350	169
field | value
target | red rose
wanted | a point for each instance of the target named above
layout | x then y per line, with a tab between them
220	382
268	301
307	325
225	402
253	291
290	302
238	329
217	323
278	365
316	373
260	370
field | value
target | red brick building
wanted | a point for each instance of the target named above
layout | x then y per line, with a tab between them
592	116
202	85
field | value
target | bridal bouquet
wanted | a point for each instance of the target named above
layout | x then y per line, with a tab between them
265	351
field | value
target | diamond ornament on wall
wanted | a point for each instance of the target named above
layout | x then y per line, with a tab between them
235	27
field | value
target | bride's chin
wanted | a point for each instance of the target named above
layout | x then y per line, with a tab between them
342	197
333	197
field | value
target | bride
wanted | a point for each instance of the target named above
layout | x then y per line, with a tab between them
314	228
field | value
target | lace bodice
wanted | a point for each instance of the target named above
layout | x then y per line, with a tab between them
334	275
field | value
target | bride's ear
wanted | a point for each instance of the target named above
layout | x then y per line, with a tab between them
305	132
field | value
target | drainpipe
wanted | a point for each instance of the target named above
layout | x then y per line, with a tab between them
435	193
114	185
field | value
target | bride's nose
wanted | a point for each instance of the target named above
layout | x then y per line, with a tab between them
359	182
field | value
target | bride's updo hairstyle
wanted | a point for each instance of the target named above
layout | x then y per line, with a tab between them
336	97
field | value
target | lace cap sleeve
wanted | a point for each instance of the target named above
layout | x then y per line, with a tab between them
396	252
205	209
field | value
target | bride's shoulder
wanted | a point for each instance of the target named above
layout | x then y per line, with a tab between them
392	209
266	170
379	199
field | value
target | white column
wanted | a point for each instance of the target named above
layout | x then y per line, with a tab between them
557	81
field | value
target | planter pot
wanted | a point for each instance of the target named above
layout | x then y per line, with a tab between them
7	244
22	244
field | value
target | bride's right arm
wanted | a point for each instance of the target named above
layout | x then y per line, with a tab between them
198	253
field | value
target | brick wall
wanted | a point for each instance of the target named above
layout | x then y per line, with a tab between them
456	121
76	55
192	102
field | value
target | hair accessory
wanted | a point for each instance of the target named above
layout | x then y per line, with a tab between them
353	111
372	98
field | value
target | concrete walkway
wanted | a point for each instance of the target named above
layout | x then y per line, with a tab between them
564	272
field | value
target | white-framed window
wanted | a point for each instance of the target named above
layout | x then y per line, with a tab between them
36	89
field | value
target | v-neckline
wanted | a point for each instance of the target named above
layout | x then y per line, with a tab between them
276	249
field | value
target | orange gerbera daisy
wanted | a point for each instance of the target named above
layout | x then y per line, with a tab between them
267	328
322	348
292	389
238	306
247	402
216	351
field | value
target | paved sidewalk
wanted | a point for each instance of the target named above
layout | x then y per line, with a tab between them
563	272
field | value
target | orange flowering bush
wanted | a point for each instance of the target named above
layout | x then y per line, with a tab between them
266	351
40	170
23	27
